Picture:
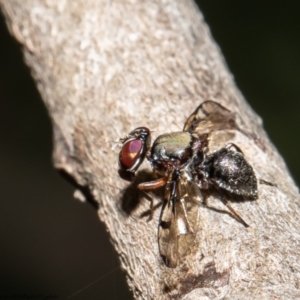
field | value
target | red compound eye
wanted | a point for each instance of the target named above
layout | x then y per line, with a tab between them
134	149
130	154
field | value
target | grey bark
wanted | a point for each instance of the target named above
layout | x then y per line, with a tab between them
106	67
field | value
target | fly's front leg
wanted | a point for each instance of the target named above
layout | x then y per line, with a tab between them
151	185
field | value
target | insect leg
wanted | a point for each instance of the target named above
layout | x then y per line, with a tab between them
232	145
262	181
151	185
237	216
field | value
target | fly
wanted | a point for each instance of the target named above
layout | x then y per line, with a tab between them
188	163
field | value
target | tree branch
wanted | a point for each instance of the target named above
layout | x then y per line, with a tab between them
104	68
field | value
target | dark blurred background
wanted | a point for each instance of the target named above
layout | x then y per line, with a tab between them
53	245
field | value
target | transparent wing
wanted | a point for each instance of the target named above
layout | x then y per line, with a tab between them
179	220
167	235
209	116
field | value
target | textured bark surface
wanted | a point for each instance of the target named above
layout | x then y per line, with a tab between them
106	67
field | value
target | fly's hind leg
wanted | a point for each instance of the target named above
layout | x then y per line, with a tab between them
262	181
236	215
232	145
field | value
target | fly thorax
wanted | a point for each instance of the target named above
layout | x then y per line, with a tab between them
172	147
170	151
